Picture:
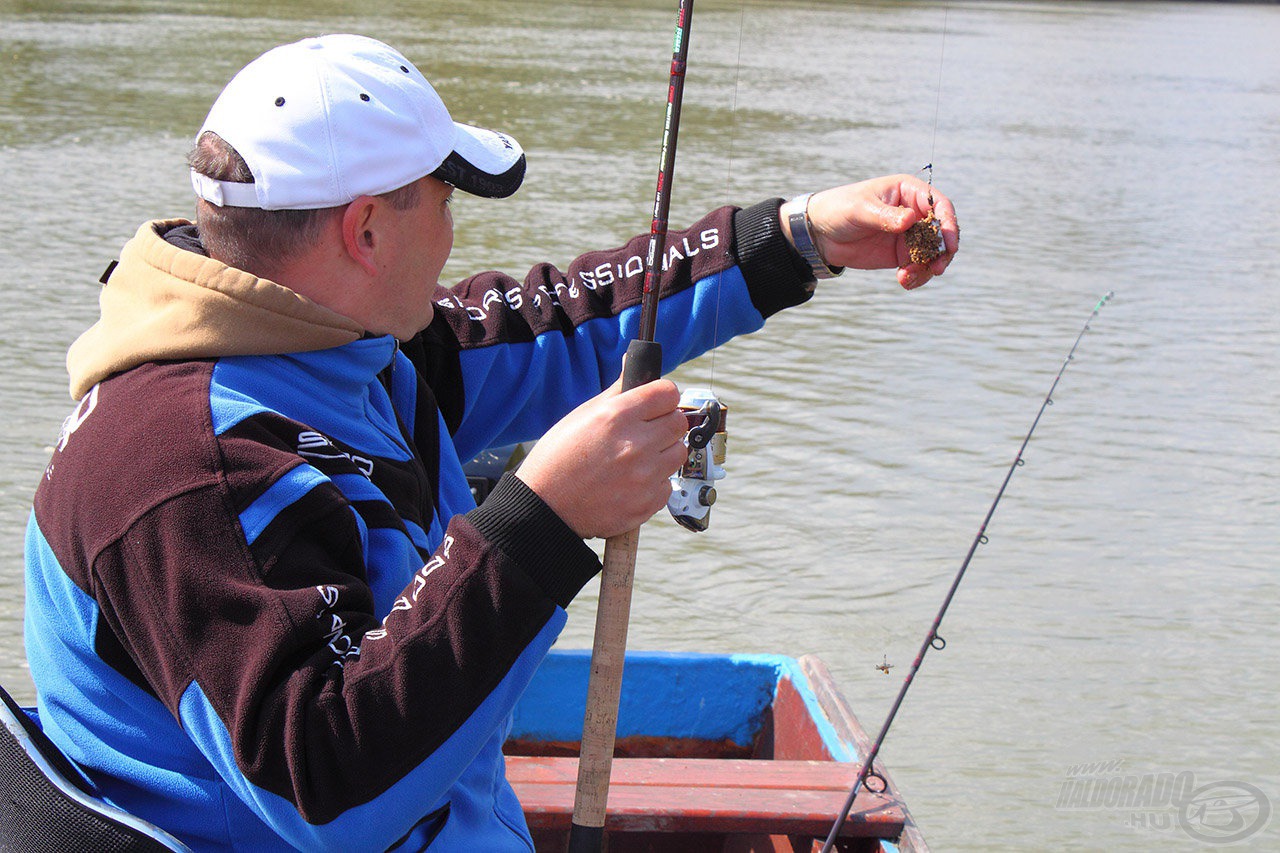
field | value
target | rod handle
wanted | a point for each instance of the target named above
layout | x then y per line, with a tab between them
613	615
604	687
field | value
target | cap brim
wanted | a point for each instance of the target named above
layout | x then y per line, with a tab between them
483	162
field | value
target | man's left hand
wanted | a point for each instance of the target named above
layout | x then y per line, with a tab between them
862	226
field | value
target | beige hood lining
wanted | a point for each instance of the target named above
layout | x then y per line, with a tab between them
163	302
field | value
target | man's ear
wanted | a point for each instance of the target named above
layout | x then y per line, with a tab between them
359	235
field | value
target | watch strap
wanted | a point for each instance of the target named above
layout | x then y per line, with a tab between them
796	212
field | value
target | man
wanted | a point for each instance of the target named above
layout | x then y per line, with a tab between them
263	610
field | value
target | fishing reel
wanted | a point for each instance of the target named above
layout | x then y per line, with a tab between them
693	488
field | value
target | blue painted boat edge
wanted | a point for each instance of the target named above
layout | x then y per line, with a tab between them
840	747
671	694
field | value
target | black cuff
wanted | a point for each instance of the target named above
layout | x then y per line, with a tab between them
777	276
529	532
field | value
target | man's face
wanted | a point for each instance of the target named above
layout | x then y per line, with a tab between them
424	236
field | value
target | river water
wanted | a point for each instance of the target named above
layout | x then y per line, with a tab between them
1124	610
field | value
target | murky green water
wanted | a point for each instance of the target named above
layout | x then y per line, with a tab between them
1124	609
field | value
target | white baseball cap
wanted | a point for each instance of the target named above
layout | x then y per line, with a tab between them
325	120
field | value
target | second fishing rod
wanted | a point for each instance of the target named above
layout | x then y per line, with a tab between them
933	640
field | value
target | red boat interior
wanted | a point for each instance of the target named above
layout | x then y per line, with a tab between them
780	792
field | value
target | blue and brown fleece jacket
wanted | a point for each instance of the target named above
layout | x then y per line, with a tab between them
263	609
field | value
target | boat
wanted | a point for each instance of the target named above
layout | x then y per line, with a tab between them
714	753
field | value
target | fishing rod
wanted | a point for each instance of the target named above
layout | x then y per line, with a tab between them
933	640
643	364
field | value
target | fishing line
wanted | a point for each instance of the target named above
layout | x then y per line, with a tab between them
937	105
728	182
924	238
933	640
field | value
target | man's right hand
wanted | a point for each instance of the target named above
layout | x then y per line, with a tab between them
605	467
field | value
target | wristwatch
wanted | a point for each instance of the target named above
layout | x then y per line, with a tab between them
796	212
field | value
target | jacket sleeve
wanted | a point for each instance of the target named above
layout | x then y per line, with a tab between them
509	358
